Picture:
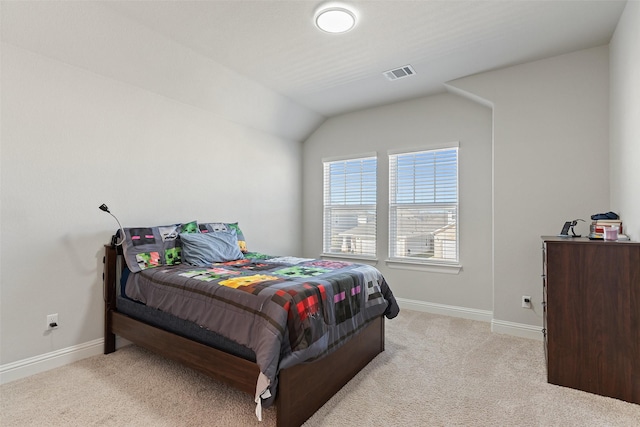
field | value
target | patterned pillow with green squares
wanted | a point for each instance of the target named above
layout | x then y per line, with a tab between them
150	247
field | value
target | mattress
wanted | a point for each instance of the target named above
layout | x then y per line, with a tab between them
184	328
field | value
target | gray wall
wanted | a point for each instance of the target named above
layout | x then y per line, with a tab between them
76	134
533	141
625	119
418	123
550	164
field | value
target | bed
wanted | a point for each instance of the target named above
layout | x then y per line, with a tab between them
288	331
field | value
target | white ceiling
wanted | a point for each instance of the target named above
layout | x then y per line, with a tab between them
275	42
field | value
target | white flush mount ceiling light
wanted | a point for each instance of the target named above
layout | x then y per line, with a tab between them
335	19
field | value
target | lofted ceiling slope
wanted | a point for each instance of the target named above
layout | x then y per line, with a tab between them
263	63
275	42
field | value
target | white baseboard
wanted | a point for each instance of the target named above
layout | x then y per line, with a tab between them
446	310
498	326
55	359
44	362
518	329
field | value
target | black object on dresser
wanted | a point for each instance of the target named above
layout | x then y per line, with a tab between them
591	299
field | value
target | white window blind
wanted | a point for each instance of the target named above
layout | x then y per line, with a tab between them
350	207
423	206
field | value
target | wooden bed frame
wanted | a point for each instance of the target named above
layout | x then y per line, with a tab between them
302	389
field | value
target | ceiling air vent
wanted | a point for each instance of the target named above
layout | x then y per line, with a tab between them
399	73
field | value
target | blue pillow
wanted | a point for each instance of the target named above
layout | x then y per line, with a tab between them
210	227
203	249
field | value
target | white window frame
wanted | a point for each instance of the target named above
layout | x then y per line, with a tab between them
450	221
365	246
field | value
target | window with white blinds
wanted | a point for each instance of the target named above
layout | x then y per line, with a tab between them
423	206
350	207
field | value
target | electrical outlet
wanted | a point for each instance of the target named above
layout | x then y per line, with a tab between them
526	301
52	321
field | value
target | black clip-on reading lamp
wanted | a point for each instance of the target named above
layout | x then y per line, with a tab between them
114	238
569	225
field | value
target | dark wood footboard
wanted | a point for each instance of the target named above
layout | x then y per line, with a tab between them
305	388
302	389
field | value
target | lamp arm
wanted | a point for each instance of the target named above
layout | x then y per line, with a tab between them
121	230
114	241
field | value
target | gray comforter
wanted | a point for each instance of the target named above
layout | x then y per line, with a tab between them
287	310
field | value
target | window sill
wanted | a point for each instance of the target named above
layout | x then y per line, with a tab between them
424	266
353	258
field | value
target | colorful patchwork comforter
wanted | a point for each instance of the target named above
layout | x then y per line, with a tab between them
287	310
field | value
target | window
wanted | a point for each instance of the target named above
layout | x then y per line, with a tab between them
350	207
423	206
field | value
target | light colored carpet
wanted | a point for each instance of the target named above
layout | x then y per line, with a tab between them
436	371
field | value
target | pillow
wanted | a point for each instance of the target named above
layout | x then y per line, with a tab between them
203	249
149	247
210	227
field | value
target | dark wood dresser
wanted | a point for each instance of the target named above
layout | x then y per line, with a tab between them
591	299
